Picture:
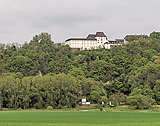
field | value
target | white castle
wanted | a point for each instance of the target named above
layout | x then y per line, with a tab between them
95	41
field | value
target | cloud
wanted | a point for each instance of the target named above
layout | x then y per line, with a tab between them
20	20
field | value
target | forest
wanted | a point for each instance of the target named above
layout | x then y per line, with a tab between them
42	73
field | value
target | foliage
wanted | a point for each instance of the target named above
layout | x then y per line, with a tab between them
140	101
49	108
114	102
19	109
155	35
57	91
104	99
132	38
119	97
95	97
101	109
4	109
131	69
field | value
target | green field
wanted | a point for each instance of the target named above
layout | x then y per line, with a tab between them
79	118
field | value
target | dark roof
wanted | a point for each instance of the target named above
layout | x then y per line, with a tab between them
138	36
119	40
100	34
113	42
91	36
81	39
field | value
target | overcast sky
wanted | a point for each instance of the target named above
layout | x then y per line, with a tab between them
20	20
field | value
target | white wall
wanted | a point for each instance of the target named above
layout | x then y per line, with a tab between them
89	44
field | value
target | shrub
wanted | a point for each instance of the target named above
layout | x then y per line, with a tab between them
104	99
50	108
95	96
80	104
4	109
19	109
64	107
140	101
114	102
98	106
101	109
118	98
59	106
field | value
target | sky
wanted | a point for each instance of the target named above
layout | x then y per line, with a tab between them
20	20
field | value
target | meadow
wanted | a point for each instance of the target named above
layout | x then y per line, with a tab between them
79	118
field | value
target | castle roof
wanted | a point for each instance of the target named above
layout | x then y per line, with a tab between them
138	36
89	37
81	39
100	34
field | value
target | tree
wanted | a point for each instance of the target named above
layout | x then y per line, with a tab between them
15	85
21	64
132	38
37	91
25	92
95	96
155	35
19	75
66	90
104	99
140	101
2	83
157	91
118	96
43	38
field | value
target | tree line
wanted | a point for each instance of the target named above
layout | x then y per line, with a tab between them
132	69
58	91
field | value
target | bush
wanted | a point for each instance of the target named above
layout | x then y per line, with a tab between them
4	109
80	104
104	99
98	106
64	107
50	108
140	101
117	98
101	109
59	106
19	109
95	96
114	102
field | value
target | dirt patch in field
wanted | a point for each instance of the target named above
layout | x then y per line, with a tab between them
85	107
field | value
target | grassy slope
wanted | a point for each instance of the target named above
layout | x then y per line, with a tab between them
79	118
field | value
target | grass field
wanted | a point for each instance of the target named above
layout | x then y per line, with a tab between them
79	118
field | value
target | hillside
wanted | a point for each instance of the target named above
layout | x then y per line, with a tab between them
127	70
